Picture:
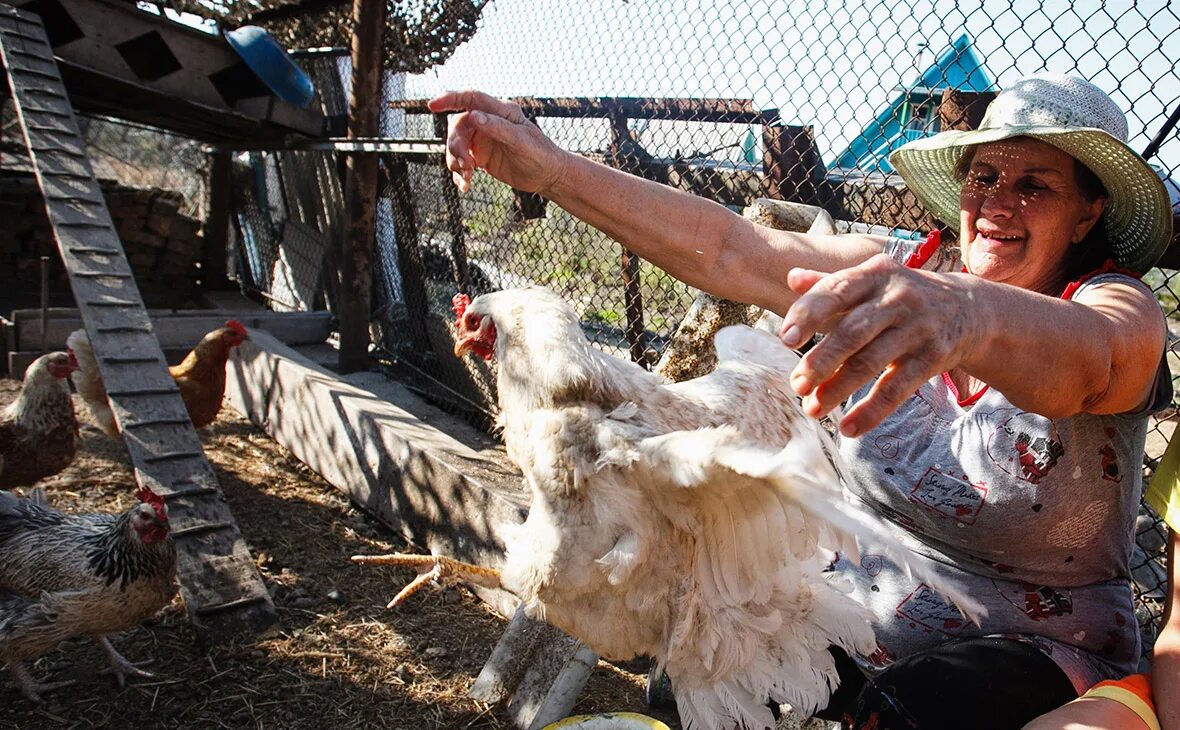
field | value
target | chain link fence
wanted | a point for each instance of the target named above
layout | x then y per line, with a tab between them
736	101
148	158
155	186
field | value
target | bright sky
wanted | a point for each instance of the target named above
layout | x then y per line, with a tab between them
830	64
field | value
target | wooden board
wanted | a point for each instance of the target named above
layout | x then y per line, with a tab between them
176	329
295	280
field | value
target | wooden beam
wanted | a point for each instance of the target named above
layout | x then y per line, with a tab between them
360	186
526	206
430	475
725	111
791	163
94	92
626	155
176	328
215	237
123	62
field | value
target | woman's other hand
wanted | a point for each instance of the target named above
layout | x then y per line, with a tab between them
494	135
881	321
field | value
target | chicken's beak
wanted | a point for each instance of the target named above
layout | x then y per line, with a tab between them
462	346
482	340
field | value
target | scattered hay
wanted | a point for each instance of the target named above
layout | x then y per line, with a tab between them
338	658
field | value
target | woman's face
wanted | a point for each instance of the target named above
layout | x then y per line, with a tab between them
1020	210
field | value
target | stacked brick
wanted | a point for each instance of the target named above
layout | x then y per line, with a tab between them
162	244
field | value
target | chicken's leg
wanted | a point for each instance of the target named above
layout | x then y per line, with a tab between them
120	666
30	687
432	568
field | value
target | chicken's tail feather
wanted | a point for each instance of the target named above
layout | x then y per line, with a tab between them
721	705
853	521
750	345
88	382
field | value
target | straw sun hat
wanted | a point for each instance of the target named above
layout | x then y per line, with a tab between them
1073	115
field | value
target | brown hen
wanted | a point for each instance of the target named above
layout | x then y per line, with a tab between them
200	376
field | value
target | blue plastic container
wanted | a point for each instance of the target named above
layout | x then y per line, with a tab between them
270	62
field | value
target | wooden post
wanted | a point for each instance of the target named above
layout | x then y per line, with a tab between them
459	268
620	136
360	186
216	233
772	144
963	110
527	206
791	163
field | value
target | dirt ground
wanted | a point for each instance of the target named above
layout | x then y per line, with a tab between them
338	658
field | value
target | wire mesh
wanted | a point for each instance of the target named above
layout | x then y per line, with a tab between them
734	101
145	157
154	184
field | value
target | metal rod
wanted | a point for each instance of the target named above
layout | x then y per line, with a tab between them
364	145
1160	136
44	304
727	111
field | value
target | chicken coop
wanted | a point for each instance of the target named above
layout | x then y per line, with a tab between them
316	208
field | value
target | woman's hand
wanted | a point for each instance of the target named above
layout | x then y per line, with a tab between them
882	321
494	135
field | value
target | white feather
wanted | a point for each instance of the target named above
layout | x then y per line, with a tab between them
89	384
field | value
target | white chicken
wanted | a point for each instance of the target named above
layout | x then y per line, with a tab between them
680	521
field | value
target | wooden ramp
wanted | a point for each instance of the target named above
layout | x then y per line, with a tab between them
219	582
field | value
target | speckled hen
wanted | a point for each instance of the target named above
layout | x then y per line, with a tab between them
79	575
38	430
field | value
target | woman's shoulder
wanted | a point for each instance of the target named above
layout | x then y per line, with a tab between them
1108	275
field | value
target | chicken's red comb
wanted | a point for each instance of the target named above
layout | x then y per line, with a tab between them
147	496
459	304
237	327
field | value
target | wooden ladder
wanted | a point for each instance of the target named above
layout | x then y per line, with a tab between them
220	584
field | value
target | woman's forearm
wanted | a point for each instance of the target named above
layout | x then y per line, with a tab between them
696	240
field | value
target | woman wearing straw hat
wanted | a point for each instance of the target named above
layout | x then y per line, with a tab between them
996	401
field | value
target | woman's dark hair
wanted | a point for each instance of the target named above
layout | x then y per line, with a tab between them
1092	252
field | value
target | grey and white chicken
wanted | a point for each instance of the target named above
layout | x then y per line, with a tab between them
38	430
63	576
683	521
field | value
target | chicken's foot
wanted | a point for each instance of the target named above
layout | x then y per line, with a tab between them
120	666
432	568
30	687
